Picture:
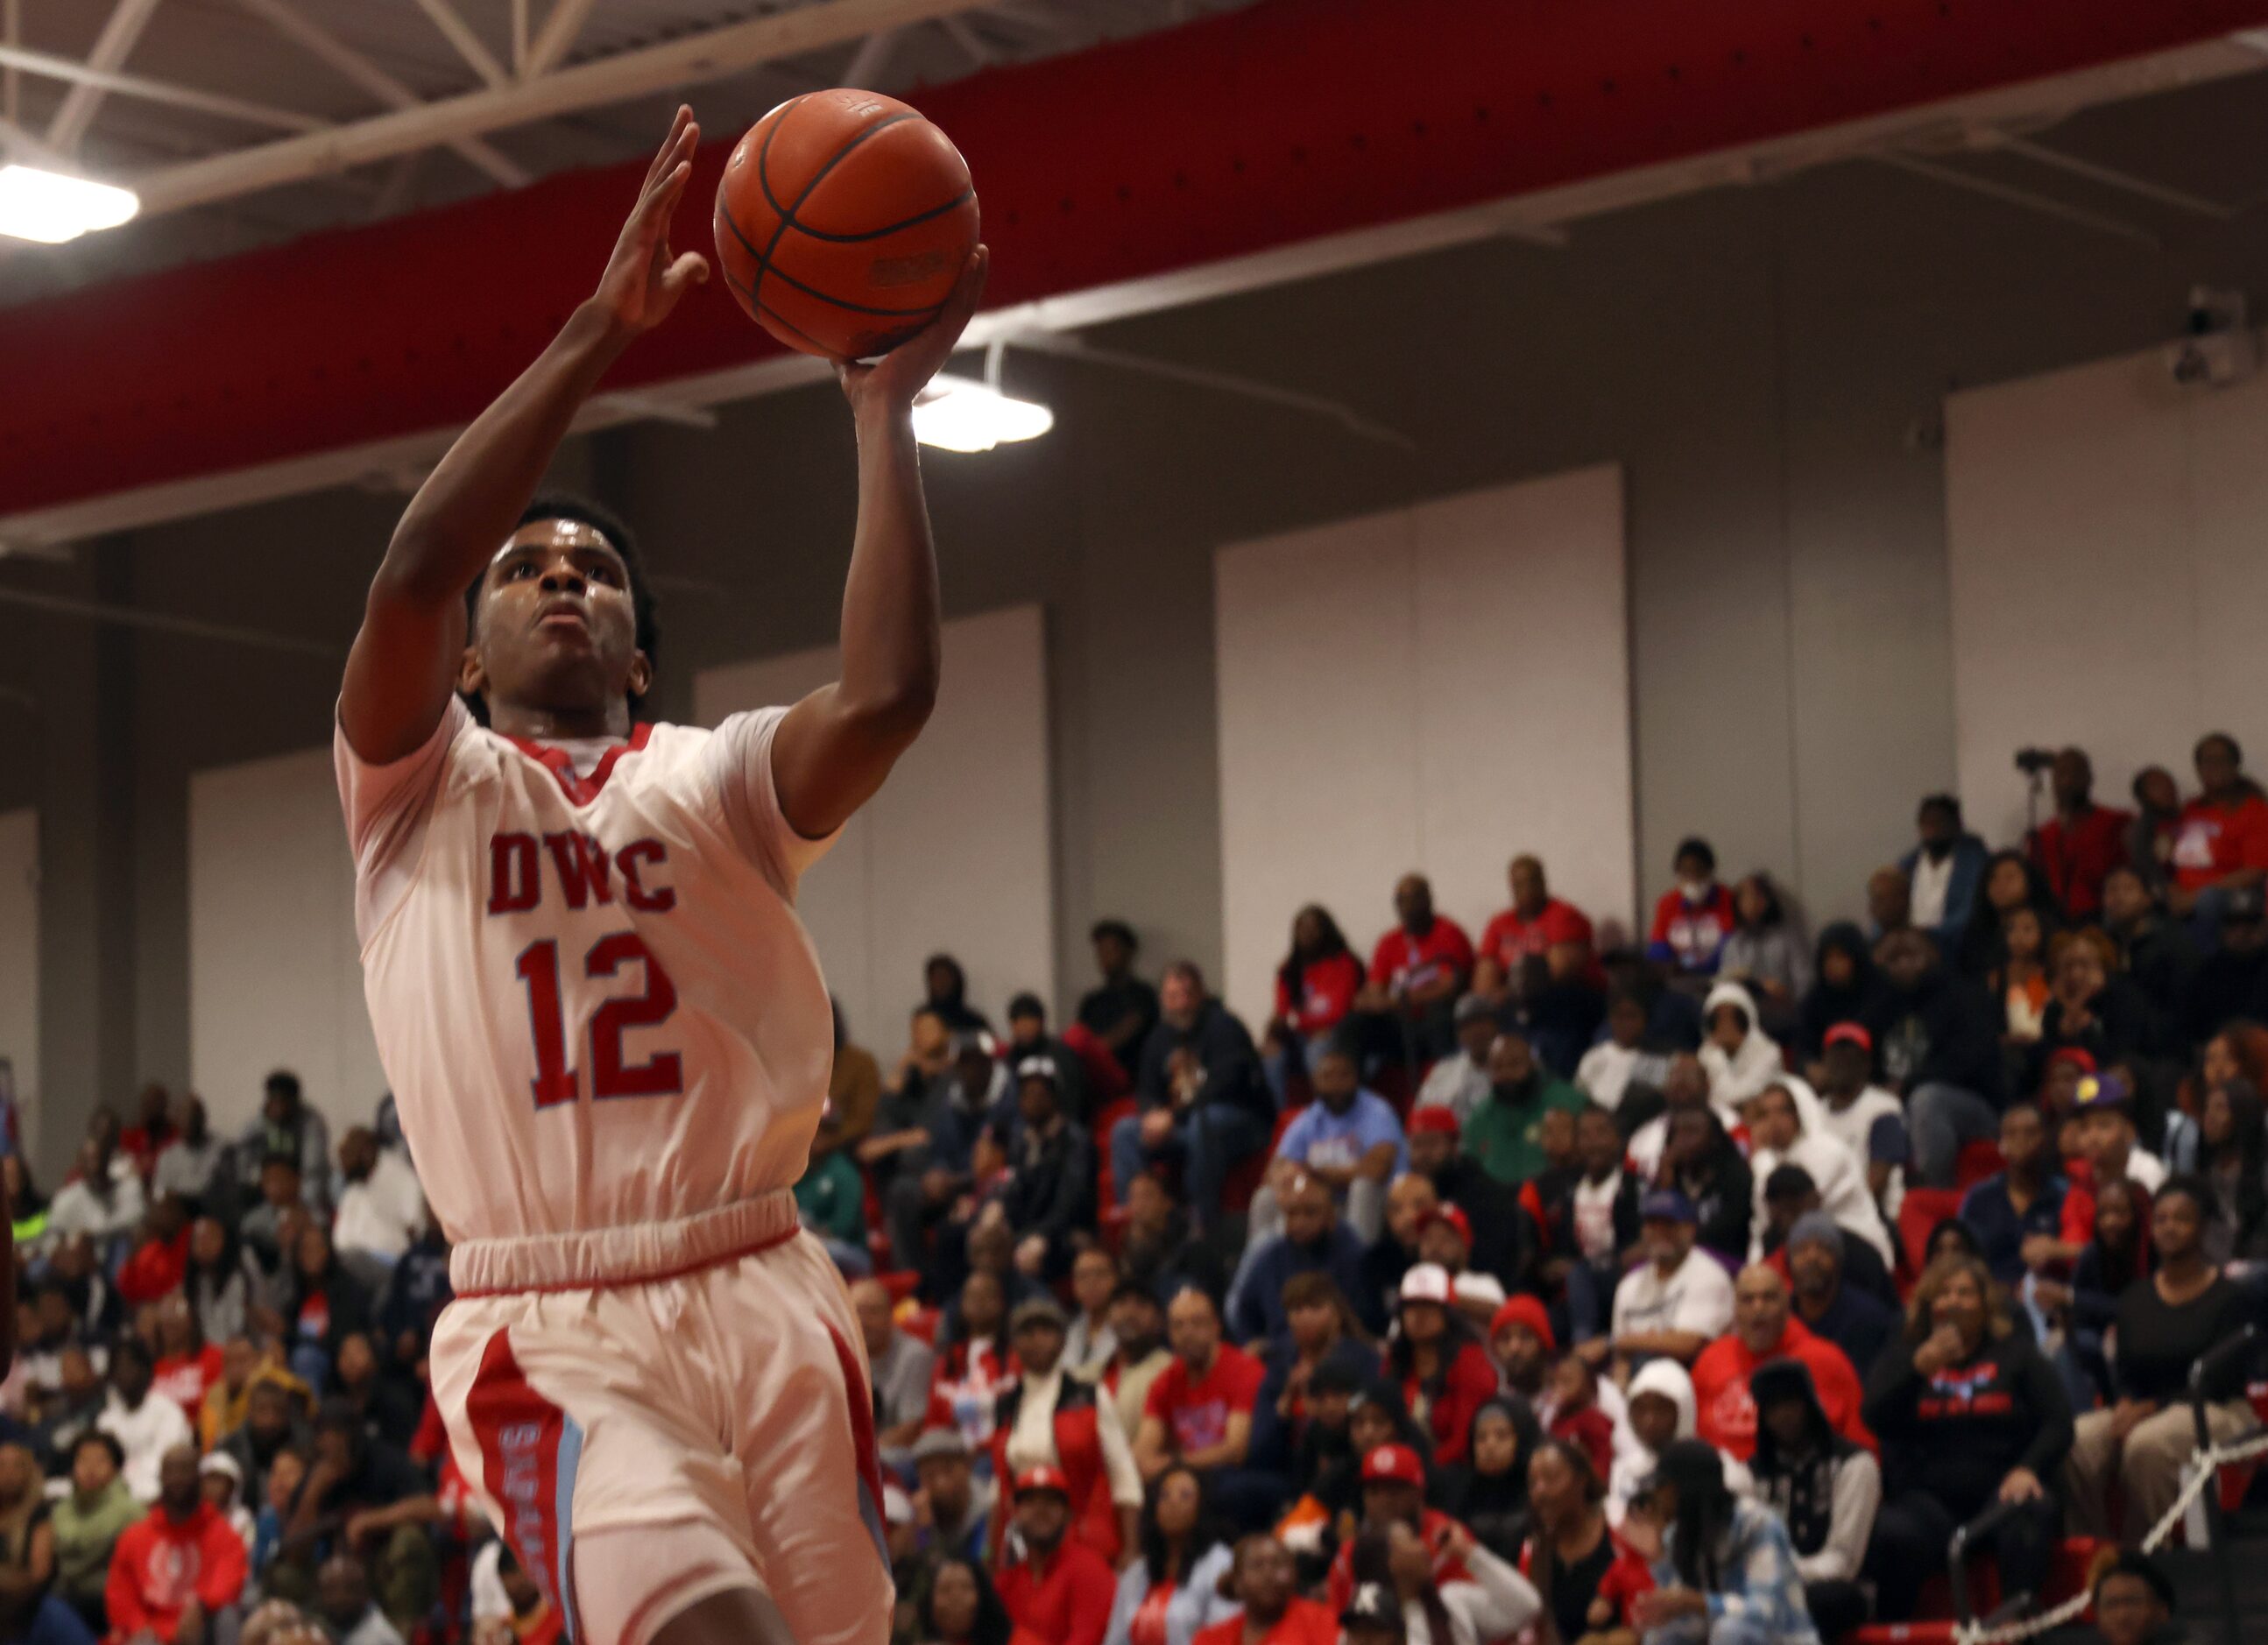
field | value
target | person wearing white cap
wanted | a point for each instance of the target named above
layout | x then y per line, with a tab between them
221	1479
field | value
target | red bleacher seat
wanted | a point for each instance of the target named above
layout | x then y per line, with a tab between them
1921	1210
2073	1573
1978	1160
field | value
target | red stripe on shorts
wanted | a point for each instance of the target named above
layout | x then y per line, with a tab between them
519	1431
862	1434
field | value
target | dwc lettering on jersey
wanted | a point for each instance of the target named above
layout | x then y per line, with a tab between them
580	871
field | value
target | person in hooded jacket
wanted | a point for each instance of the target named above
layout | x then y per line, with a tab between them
1939	1042
1487	1492
1824	1487
1662	1408
1739	1057
1766	951
1844	987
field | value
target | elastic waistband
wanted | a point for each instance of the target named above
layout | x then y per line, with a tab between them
637	1253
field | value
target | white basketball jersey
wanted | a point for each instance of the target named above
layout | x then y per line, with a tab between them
592	994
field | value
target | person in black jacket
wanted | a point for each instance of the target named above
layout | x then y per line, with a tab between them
1844	987
1699	1159
1969	1414
1823	1487
1504	1234
1203	1100
2154	952
1939	1042
1050	1193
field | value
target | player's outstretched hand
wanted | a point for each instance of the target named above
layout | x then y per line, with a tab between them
892	381
643	282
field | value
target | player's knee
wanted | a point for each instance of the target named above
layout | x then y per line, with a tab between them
738	1616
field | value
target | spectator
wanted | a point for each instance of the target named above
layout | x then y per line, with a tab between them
1500	1237
1159	1249
29	1611
1764	1329
195	1166
389	1406
1443	1371
1093	1281
1399	1592
343	1601
1777	1137
1738	1056
1597	1230
325	1304
151	1130
2168	1323
1968	1414
2020	983
2220	844
1049	1420
1263	1582
1204	1102
269	1228
1701	1161
1138	1322
2023	1200
1122	1010
288	1128
1685	1085
2010	884
1348	1138
221	1483
1172	1588
2116	1256
1487	1492
899	1365
1692	919
1048	1197
146	1424
365	1491
1825	1488
1199	1412
1890	901
1394	1480
1660	1404
1867	1119
1504	1132
1586	1575
2232	1162
2134	1603
1727	1571
1411	1203
188	1365
273	1423
1574	1408
936	1154
1945	872
1536	924
1459	1082
2077	847
1417	971
159	1262
2157	824
955	1504
1677	1300
88	1523
1057	1589
854	1089
381	1208
1314	1240
2090	1009
1765	952
1625	1059
977	1363
1028	1038
1319	1333
2155	954
2230	982
960	1607
830	1200
26	1205
1854	1321
945	995
1316	985
1789	1195
1941	1050
104	1204
218	1284
177	1573
1845	987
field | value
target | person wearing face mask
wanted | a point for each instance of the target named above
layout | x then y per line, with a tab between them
1692	919
1944	872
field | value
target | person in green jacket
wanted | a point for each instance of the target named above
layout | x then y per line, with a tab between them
88	1524
832	1201
1502	1131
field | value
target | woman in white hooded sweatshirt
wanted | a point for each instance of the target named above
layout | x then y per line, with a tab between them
1658	1384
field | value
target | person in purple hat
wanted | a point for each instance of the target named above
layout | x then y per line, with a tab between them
1678	1300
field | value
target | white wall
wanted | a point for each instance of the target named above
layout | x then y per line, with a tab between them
955	851
1435	688
20	964
274	977
2108	539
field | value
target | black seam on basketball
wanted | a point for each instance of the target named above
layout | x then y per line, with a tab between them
855	308
764	155
787	218
765	308
919	217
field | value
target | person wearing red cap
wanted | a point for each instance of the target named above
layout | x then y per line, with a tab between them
1725	1413
1266	1582
1058	1591
1393	1493
1865	1119
1501	1237
1445	1374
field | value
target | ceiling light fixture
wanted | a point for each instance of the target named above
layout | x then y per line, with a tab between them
962	415
52	207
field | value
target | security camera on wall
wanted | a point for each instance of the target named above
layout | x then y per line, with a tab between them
2219	348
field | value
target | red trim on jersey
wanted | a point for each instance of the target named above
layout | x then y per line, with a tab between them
615	1282
520	1431
582	791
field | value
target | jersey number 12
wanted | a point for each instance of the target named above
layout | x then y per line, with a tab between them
661	1074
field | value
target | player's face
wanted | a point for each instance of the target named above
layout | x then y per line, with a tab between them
556	627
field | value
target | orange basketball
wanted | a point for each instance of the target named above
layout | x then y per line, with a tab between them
842	222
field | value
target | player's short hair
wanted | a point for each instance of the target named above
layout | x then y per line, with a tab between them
568	505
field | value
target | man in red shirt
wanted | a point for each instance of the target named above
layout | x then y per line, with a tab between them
1057	1590
1264	1580
173	1573
1393	1493
1725	1414
1536	924
2221	842
1418	969
1199	1413
2082	842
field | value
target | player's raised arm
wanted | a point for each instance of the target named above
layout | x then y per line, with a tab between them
405	659
835	747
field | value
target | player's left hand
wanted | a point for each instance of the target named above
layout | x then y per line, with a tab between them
891	382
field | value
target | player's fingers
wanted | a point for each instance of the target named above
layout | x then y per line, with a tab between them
967	292
662	156
690	269
653	212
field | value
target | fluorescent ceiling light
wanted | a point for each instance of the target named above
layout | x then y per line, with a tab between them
963	415
51	208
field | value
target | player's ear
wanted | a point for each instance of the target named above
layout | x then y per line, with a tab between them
472	678
641	678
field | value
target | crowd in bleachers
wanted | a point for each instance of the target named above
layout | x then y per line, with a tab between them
1545	1287
1701	1283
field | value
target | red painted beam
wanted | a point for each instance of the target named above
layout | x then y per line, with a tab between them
1263	127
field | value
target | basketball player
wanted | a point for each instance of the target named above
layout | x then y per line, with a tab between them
604	1026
